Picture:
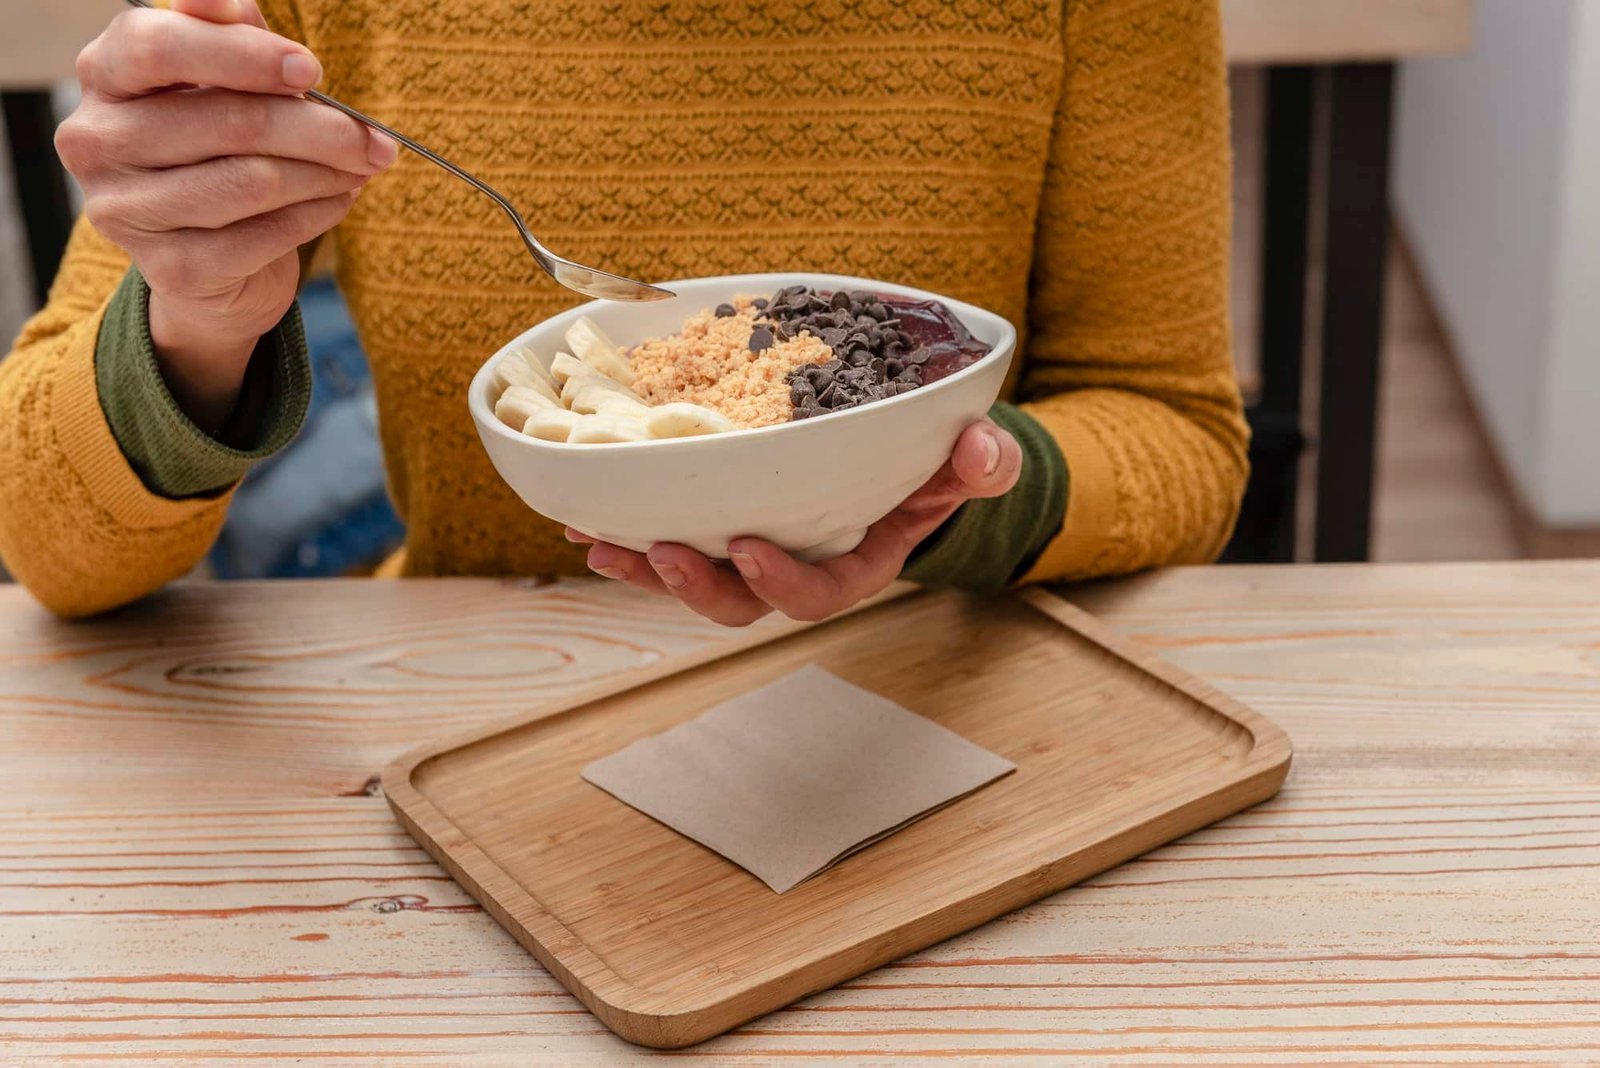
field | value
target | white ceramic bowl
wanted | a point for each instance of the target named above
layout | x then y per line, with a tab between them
812	486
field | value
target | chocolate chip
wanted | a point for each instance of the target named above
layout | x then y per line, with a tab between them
828	397
840	301
878	311
799	390
725	310
760	303
760	339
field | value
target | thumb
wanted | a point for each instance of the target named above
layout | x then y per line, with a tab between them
985	463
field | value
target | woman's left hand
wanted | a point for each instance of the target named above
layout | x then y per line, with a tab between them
985	463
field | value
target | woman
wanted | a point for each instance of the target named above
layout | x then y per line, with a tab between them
1062	162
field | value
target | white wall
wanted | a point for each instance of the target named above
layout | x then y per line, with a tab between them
1569	490
1497	167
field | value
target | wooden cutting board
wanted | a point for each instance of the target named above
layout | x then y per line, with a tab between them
668	944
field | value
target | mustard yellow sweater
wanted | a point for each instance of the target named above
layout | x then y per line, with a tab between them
1063	163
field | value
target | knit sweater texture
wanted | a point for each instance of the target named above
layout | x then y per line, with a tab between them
1063	163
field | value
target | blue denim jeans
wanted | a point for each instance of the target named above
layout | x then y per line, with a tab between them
319	507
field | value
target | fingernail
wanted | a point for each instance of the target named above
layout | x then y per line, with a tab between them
232	10
611	573
381	150
746	564
671	574
991	453
301	71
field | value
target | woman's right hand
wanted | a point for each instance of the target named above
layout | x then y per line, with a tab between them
198	156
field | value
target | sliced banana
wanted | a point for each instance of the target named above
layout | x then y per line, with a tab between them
522	369
591	393
512	370
540	371
590	383
565	366
681	420
590	344
551	424
628	407
518	403
598	429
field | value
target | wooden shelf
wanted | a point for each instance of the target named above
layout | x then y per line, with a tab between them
1339	31
43	37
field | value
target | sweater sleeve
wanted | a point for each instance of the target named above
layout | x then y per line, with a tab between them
77	525
173	456
1129	358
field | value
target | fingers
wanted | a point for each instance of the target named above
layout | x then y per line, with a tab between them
173	129
622	565
680	572
985	462
200	262
215	194
146	50
716	593
805	592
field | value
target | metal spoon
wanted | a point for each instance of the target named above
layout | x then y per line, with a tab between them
590	281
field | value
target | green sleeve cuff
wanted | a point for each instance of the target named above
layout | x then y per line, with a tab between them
173	457
990	543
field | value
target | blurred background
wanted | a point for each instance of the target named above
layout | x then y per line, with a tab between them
1417	253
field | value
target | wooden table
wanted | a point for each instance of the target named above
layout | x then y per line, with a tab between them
196	867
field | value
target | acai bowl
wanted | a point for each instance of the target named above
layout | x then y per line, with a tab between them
808	467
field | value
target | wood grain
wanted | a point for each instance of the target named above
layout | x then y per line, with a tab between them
670	944
196	873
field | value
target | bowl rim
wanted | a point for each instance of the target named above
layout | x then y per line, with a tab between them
483	414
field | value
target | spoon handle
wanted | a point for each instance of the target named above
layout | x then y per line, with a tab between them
425	153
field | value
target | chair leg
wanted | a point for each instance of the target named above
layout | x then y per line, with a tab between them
41	182
1266	527
1357	238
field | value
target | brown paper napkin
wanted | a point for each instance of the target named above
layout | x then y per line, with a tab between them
789	779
